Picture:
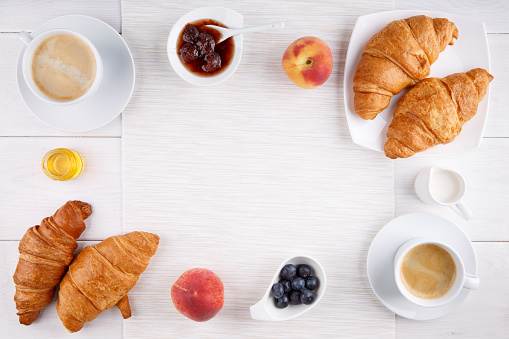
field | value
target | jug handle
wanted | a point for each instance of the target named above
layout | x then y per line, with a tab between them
463	210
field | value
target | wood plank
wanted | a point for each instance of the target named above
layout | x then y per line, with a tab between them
28	195
16	119
485	170
483	314
27	15
498	119
239	176
107	325
493	13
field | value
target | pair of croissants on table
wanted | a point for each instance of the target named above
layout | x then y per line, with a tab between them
434	110
99	277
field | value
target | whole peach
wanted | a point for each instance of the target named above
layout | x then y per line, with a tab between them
198	294
308	62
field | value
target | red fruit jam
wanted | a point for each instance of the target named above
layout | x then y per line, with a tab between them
199	51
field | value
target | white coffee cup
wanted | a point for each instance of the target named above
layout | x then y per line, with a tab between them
443	187
462	280
33	42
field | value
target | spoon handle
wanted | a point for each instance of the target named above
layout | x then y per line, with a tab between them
275	25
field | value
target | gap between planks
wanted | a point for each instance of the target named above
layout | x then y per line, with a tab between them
64	136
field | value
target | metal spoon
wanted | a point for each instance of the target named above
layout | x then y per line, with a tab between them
229	32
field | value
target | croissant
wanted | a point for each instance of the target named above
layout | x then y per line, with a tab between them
398	56
45	253
101	276
433	112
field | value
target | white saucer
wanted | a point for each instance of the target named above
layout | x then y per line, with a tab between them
112	95
391	237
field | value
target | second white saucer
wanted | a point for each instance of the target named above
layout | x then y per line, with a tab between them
113	94
391	237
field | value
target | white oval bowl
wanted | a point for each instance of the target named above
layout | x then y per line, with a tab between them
266	308
227	17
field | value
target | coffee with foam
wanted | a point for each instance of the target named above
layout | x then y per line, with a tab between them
63	67
428	271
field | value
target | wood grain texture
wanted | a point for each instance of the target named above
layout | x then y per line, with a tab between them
485	170
107	325
27	15
484	313
498	119
493	13
240	176
15	118
28	195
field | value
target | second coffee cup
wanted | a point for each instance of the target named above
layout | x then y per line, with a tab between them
430	273
61	66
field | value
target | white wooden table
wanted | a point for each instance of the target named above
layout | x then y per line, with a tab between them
231	180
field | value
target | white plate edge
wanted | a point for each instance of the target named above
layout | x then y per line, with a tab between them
128	50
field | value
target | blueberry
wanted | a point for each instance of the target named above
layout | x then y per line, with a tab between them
289	272
304	271
287	285
283	301
311	283
295	298
277	290
190	33
307	297
298	284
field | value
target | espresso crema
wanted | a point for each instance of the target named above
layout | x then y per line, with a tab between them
428	271
63	67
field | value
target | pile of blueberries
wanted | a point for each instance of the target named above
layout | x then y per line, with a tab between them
296	286
199	45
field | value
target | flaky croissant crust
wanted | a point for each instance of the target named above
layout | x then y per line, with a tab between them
46	251
434	111
398	56
101	276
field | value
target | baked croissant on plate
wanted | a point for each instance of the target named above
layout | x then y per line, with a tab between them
433	112
398	56
46	251
101	276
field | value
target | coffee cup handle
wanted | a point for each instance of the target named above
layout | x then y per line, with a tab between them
471	282
463	210
25	37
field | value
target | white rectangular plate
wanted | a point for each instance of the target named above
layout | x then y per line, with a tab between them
469	51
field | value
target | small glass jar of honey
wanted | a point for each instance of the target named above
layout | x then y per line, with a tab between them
62	164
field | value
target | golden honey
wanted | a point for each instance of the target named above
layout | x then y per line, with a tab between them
62	164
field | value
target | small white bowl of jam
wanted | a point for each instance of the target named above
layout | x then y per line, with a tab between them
193	50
